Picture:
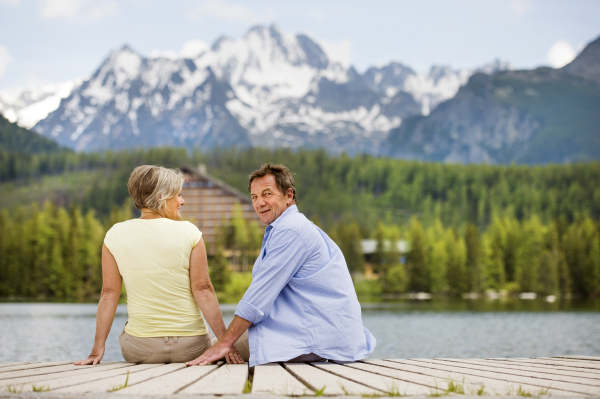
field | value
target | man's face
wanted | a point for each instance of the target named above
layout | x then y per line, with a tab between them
269	203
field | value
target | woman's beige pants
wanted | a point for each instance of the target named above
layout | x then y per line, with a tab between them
172	349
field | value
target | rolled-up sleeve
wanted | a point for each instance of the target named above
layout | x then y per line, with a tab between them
286	252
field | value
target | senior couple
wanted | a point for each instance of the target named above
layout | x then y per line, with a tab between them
301	305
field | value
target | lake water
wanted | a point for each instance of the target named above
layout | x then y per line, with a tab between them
405	329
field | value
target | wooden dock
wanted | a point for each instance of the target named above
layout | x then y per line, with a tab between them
560	376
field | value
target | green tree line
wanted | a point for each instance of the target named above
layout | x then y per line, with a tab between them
50	251
556	258
469	227
362	189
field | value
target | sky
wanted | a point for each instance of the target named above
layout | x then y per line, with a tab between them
44	41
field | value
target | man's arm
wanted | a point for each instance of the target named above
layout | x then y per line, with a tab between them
222	348
285	255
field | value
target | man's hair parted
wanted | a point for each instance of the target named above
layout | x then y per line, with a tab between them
283	177
151	186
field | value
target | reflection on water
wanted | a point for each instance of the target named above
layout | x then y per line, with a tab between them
404	329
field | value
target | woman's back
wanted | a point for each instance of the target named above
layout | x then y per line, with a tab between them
153	257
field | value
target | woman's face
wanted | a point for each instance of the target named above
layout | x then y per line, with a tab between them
172	206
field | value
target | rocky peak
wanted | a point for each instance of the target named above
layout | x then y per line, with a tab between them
587	63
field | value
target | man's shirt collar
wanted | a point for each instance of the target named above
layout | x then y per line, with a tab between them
287	212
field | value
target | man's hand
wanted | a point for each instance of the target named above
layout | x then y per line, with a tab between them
94	357
234	356
211	355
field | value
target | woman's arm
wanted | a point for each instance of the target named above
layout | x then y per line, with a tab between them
109	299
206	298
203	290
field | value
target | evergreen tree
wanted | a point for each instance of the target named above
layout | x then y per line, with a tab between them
474	273
437	258
456	269
527	260
493	243
219	272
379	255
348	239
418	271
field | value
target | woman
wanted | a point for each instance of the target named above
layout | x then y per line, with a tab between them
162	263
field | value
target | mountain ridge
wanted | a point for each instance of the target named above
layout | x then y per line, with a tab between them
284	92
534	116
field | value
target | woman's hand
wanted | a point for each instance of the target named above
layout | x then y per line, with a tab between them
94	357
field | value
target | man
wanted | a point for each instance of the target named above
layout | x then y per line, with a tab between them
301	305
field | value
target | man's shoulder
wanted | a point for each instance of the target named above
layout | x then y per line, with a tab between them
295	221
297	225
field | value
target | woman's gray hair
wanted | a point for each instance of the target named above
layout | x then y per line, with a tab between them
151	186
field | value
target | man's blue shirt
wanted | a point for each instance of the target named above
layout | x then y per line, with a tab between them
302	299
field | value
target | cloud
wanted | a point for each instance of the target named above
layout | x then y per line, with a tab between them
229	12
5	59
520	7
317	15
190	49
78	9
338	52
560	54
10	2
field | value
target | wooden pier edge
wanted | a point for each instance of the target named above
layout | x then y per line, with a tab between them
555	377
50	395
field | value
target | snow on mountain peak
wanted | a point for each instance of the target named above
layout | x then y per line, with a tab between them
28	106
266	88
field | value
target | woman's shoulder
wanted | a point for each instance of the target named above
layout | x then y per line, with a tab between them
189	225
123	225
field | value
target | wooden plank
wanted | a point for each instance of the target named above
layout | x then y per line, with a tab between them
550	370
78	379
594	358
516	380
590	369
330	384
118	382
32	365
440	379
170	383
542	366
582	363
391	386
525	373
44	377
375	367
229	379
42	370
2	365
272	378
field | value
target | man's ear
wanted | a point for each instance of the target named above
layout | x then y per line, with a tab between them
290	196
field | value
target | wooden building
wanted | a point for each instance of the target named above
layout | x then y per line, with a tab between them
209	201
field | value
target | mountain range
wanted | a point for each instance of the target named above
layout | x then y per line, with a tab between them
533	116
273	89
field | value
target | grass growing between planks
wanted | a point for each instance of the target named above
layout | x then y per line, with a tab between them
247	387
458	388
522	392
118	387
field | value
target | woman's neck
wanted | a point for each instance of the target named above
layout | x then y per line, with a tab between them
150	214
